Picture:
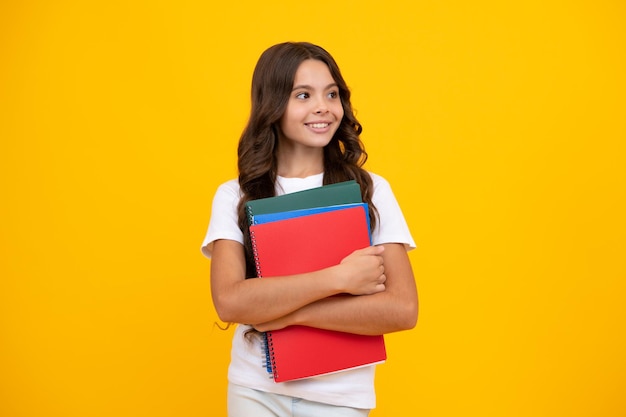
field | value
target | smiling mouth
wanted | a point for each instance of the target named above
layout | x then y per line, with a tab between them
318	125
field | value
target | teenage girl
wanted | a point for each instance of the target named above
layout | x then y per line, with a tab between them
302	133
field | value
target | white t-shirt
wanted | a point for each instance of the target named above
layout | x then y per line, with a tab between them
351	388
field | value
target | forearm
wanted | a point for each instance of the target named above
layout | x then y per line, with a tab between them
259	300
370	314
375	314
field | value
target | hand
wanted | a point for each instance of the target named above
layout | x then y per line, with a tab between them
363	271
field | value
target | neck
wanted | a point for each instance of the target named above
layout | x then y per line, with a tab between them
300	164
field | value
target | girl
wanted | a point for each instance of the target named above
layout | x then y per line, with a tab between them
302	133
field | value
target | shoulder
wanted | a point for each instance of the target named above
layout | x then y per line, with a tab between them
378	180
230	186
383	197
228	190
381	186
226	199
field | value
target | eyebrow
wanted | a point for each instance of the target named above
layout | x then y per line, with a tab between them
308	87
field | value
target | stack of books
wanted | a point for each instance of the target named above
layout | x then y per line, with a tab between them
304	232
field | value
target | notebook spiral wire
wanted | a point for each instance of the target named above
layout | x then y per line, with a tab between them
266	341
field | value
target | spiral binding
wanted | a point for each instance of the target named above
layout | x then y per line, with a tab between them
269	352
267	362
250	215
267	343
255	254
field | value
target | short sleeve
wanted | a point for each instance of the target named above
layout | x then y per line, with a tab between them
392	226
224	219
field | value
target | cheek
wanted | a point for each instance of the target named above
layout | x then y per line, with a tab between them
339	112
292	115
286	118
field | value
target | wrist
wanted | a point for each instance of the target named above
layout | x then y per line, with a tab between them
336	277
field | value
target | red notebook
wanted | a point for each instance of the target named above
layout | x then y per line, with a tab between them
306	244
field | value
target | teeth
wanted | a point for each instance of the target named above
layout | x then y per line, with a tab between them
318	125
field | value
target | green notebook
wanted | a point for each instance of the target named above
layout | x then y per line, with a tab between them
339	193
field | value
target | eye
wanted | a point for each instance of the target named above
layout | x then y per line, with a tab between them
302	96
333	94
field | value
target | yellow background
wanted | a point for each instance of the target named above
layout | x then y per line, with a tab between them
500	125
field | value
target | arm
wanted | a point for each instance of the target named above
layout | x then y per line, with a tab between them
259	300
391	310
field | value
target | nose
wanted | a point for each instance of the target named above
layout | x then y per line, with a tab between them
321	109
321	106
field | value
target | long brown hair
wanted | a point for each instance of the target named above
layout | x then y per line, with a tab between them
272	82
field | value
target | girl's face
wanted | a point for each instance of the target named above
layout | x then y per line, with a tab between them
314	110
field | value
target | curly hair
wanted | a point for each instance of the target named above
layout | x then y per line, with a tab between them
272	82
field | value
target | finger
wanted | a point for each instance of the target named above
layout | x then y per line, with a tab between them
379	249
373	250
